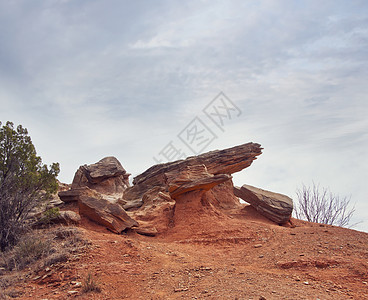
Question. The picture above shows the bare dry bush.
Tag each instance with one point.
(320, 205)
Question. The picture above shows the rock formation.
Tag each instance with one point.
(161, 187)
(160, 196)
(107, 177)
(274, 206)
(97, 188)
(227, 161)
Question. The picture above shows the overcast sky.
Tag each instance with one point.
(131, 79)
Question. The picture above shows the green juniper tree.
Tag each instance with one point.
(24, 182)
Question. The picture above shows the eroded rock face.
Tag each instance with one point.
(110, 215)
(227, 161)
(157, 212)
(106, 176)
(192, 178)
(206, 178)
(274, 206)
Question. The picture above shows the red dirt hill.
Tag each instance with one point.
(213, 254)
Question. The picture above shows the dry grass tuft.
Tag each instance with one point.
(90, 284)
(36, 250)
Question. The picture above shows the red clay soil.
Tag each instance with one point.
(233, 254)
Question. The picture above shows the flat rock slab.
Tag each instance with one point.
(76, 194)
(226, 161)
(71, 195)
(274, 206)
(103, 212)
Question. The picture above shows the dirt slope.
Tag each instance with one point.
(215, 255)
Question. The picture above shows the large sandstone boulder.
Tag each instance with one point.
(106, 177)
(274, 206)
(110, 215)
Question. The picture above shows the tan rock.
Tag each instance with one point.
(157, 210)
(146, 228)
(130, 204)
(69, 217)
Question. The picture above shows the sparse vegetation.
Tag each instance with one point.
(29, 250)
(49, 215)
(90, 284)
(2, 291)
(24, 182)
(320, 205)
(44, 248)
(34, 252)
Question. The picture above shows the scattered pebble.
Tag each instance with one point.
(72, 292)
(261, 256)
(306, 282)
(258, 245)
(76, 283)
(184, 289)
